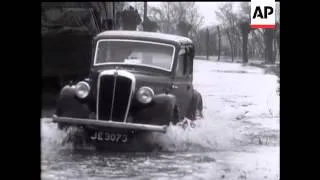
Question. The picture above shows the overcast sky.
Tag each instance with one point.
(206, 9)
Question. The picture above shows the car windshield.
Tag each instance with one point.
(133, 52)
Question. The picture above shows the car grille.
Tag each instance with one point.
(114, 97)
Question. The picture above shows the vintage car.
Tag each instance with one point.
(138, 81)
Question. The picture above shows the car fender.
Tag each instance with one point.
(165, 99)
(69, 105)
(159, 111)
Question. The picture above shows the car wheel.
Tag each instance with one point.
(175, 116)
(192, 108)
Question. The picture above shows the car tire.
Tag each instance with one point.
(175, 116)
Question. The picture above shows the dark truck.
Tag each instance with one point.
(67, 31)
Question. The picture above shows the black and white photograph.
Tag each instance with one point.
(160, 90)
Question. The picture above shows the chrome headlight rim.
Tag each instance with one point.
(143, 91)
(82, 89)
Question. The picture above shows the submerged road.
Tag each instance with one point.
(238, 138)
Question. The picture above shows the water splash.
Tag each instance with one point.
(207, 135)
(55, 140)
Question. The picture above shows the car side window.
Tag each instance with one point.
(181, 64)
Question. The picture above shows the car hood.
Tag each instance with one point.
(158, 82)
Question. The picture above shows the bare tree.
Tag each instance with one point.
(183, 28)
(245, 29)
(272, 38)
(243, 40)
(145, 9)
(195, 20)
(219, 42)
(145, 13)
(156, 14)
(228, 21)
(207, 43)
(278, 37)
(258, 41)
(174, 16)
(268, 40)
(139, 6)
(119, 7)
(227, 31)
(212, 40)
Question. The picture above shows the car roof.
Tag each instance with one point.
(145, 35)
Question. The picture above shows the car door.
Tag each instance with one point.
(182, 82)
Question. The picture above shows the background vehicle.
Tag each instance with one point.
(67, 31)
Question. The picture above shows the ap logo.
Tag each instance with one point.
(263, 14)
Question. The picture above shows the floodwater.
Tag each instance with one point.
(237, 139)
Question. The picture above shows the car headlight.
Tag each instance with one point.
(82, 89)
(145, 95)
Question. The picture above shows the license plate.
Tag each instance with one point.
(109, 137)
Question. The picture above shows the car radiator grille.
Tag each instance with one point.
(113, 97)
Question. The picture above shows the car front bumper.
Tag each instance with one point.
(109, 124)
